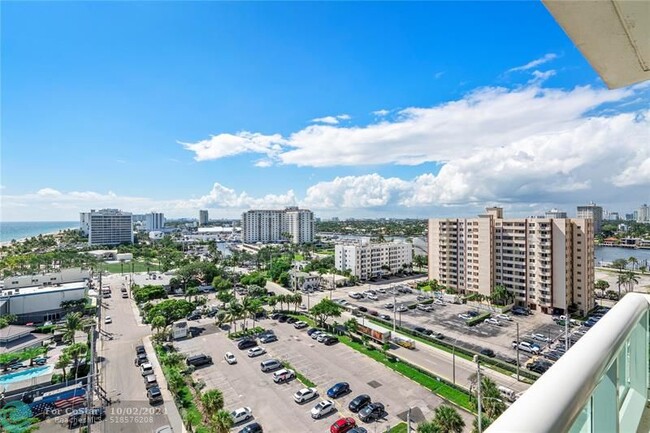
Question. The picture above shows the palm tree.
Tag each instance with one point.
(633, 261)
(351, 325)
(491, 399)
(297, 300)
(620, 280)
(159, 324)
(62, 363)
(31, 353)
(235, 312)
(500, 294)
(643, 269)
(631, 280)
(73, 323)
(272, 301)
(448, 420)
(221, 422)
(212, 401)
(485, 423)
(191, 291)
(428, 427)
(419, 261)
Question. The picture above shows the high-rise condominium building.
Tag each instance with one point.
(547, 264)
(643, 214)
(154, 221)
(107, 227)
(367, 260)
(291, 224)
(555, 213)
(203, 218)
(594, 212)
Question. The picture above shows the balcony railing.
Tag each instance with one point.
(599, 385)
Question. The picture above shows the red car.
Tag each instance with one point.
(343, 425)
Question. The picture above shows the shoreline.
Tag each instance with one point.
(21, 240)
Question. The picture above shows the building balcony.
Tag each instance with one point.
(599, 385)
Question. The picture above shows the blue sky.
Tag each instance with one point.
(181, 106)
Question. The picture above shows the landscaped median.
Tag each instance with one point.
(246, 333)
(478, 319)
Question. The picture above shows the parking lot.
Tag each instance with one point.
(243, 384)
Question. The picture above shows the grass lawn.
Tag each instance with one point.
(298, 257)
(399, 428)
(116, 268)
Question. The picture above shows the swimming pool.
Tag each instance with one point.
(26, 374)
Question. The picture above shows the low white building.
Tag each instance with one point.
(68, 275)
(179, 329)
(303, 280)
(39, 304)
(367, 260)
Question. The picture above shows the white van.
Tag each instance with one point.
(507, 393)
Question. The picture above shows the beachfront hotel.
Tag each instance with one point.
(291, 224)
(367, 260)
(547, 264)
(107, 227)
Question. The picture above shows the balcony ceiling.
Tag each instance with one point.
(614, 36)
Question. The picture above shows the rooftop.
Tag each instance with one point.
(34, 290)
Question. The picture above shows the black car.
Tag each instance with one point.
(472, 313)
(154, 395)
(275, 316)
(371, 412)
(359, 402)
(419, 329)
(283, 318)
(139, 350)
(487, 352)
(385, 317)
(252, 428)
(292, 320)
(328, 341)
(194, 316)
(363, 309)
(246, 343)
(140, 359)
(338, 390)
(198, 360)
(312, 330)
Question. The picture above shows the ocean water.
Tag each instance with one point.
(25, 229)
(609, 254)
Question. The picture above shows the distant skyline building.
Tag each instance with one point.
(154, 221)
(367, 260)
(594, 212)
(555, 213)
(291, 224)
(547, 264)
(107, 226)
(643, 214)
(203, 218)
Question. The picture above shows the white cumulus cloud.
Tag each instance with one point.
(534, 63)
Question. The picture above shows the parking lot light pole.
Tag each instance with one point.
(394, 308)
(478, 392)
(517, 351)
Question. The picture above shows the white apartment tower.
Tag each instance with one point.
(643, 214)
(555, 213)
(594, 212)
(203, 218)
(154, 221)
(546, 263)
(107, 227)
(266, 226)
(368, 260)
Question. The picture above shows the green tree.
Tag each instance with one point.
(631, 279)
(235, 312)
(428, 427)
(485, 423)
(220, 283)
(191, 292)
(7, 320)
(158, 325)
(73, 322)
(491, 400)
(272, 301)
(171, 309)
(619, 264)
(62, 363)
(212, 401)
(500, 295)
(221, 422)
(419, 261)
(351, 325)
(621, 279)
(225, 296)
(325, 309)
(634, 262)
(643, 269)
(31, 353)
(448, 420)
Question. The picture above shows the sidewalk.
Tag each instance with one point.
(170, 406)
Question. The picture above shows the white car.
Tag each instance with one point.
(108, 320)
(240, 415)
(372, 297)
(316, 334)
(283, 375)
(322, 336)
(256, 351)
(425, 307)
(504, 317)
(493, 321)
(355, 295)
(541, 337)
(389, 306)
(322, 408)
(381, 291)
(439, 302)
(402, 309)
(464, 316)
(230, 358)
(305, 394)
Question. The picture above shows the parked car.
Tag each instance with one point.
(492, 321)
(275, 316)
(150, 381)
(503, 317)
(358, 429)
(338, 390)
(268, 338)
(270, 365)
(292, 320)
(230, 358)
(372, 297)
(464, 316)
(305, 394)
(199, 360)
(146, 369)
(256, 351)
(310, 331)
(140, 359)
(330, 340)
(487, 352)
(194, 316)
(389, 306)
(402, 309)
(359, 402)
(252, 428)
(139, 350)
(385, 317)
(541, 337)
(283, 318)
(362, 309)
(246, 343)
(322, 408)
(355, 295)
(372, 412)
(154, 395)
(424, 307)
(300, 325)
(322, 337)
(315, 335)
(343, 425)
(439, 302)
(240, 415)
(283, 375)
(526, 347)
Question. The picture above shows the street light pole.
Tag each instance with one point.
(517, 351)
(394, 308)
(478, 392)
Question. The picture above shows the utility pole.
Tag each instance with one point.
(517, 351)
(408, 421)
(478, 392)
(394, 308)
